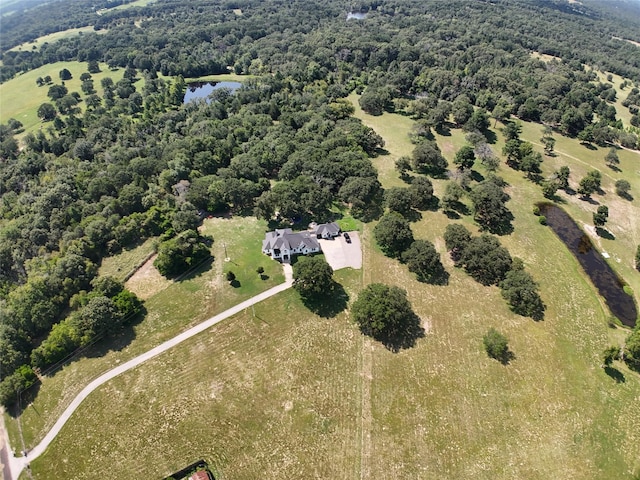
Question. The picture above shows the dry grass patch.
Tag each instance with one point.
(217, 399)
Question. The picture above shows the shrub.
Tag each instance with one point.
(496, 345)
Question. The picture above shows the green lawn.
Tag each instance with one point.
(20, 97)
(279, 393)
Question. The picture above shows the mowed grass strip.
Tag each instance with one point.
(122, 264)
(198, 296)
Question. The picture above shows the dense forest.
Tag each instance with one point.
(138, 163)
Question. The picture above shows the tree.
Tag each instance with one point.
(93, 67)
(393, 234)
(427, 158)
(312, 277)
(590, 183)
(610, 354)
(374, 101)
(549, 143)
(530, 164)
(46, 112)
(562, 176)
(512, 130)
(230, 276)
(177, 255)
(465, 157)
(57, 91)
(549, 188)
(622, 188)
(461, 110)
(383, 311)
(421, 190)
(479, 121)
(65, 74)
(423, 260)
(485, 260)
(399, 200)
(490, 211)
(456, 239)
(600, 216)
(611, 159)
(632, 350)
(496, 345)
(521, 292)
(453, 192)
(487, 157)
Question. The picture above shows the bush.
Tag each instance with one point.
(542, 220)
(496, 345)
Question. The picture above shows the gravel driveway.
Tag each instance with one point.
(340, 254)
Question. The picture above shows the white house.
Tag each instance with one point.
(281, 244)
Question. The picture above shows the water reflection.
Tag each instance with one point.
(204, 89)
(603, 277)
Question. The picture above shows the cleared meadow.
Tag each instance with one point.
(20, 97)
(279, 393)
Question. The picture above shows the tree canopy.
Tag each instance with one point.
(393, 234)
(312, 277)
(384, 312)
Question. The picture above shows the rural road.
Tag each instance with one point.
(13, 466)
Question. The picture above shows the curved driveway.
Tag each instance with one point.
(17, 464)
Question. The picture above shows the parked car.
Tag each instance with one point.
(347, 238)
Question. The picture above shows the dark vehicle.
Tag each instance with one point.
(347, 237)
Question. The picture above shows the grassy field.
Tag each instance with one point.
(54, 37)
(623, 112)
(20, 97)
(119, 266)
(178, 306)
(280, 393)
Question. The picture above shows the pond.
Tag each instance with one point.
(356, 15)
(603, 277)
(204, 89)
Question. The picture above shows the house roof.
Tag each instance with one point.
(285, 239)
(331, 228)
(200, 475)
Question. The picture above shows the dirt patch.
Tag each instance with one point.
(147, 281)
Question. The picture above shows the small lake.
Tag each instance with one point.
(356, 16)
(603, 277)
(204, 89)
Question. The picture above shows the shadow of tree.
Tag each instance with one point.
(440, 278)
(614, 373)
(412, 215)
(491, 136)
(264, 276)
(329, 305)
(626, 196)
(604, 233)
(403, 339)
(507, 358)
(235, 283)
